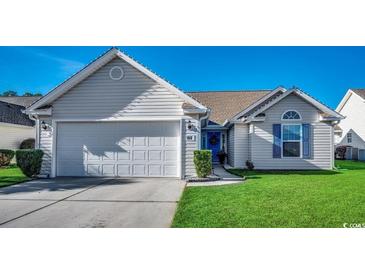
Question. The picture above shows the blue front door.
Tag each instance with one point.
(214, 143)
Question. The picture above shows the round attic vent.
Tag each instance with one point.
(116, 73)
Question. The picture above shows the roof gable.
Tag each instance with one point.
(328, 113)
(96, 65)
(359, 93)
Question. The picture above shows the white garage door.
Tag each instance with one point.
(125, 149)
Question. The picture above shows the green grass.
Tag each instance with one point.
(279, 199)
(11, 175)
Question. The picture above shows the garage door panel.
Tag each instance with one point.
(93, 169)
(139, 170)
(117, 149)
(124, 170)
(125, 155)
(155, 170)
(108, 170)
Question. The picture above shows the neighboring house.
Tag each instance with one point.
(351, 131)
(15, 126)
(117, 118)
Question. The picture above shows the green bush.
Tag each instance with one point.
(6, 155)
(29, 161)
(203, 162)
(27, 144)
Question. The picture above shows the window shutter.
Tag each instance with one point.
(306, 139)
(276, 149)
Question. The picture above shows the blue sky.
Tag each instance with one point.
(324, 72)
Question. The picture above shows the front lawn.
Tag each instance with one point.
(279, 199)
(11, 175)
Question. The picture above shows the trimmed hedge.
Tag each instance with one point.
(6, 155)
(203, 162)
(29, 161)
(27, 144)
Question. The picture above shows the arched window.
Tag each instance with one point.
(291, 115)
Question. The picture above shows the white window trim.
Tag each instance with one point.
(282, 116)
(293, 141)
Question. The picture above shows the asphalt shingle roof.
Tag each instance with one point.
(24, 101)
(226, 104)
(12, 114)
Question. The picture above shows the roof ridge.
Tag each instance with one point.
(249, 90)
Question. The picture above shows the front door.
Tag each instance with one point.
(214, 143)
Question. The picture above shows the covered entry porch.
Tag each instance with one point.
(214, 138)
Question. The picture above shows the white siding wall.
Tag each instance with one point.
(189, 147)
(354, 110)
(240, 145)
(262, 139)
(230, 146)
(13, 135)
(45, 144)
(99, 97)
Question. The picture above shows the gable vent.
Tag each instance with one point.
(116, 73)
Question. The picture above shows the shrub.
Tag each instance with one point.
(6, 155)
(340, 152)
(27, 144)
(221, 156)
(203, 162)
(249, 165)
(29, 161)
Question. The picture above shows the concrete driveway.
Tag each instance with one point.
(90, 202)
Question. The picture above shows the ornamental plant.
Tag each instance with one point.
(6, 155)
(203, 162)
(29, 161)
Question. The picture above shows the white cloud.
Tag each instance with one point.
(67, 66)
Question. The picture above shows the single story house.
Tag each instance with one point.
(117, 118)
(15, 126)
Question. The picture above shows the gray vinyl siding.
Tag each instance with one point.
(241, 145)
(188, 148)
(99, 97)
(45, 144)
(230, 146)
(262, 138)
(238, 145)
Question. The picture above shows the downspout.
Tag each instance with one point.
(35, 118)
(206, 116)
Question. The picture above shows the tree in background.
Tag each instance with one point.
(9, 93)
(14, 93)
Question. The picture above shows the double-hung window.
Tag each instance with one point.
(349, 137)
(291, 138)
